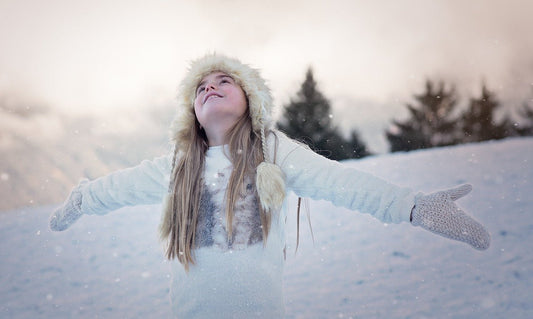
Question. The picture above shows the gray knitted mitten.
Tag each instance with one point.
(66, 215)
(438, 213)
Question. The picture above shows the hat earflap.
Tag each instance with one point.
(270, 181)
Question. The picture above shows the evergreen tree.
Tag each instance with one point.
(431, 122)
(478, 122)
(526, 112)
(308, 118)
(356, 147)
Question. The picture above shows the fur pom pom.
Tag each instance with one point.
(270, 182)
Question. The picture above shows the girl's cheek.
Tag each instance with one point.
(196, 108)
(197, 101)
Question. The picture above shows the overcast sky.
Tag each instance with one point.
(369, 57)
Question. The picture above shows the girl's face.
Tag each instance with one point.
(219, 103)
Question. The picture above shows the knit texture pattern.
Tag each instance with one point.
(439, 214)
(66, 215)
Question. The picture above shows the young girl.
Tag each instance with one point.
(223, 189)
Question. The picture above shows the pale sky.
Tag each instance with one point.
(369, 57)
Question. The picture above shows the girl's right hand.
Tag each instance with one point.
(66, 215)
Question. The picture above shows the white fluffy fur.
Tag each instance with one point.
(270, 181)
(257, 92)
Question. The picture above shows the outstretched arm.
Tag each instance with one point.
(311, 175)
(146, 183)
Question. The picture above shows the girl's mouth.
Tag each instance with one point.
(211, 95)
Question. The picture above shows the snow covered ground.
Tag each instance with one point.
(113, 266)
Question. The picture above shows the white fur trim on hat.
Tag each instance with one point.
(254, 86)
(270, 180)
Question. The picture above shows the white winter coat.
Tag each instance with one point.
(247, 283)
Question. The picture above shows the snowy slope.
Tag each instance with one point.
(113, 266)
(45, 153)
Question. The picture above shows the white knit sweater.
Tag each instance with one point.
(242, 277)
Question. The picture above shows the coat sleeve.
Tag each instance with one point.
(311, 175)
(146, 183)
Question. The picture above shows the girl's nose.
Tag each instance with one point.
(210, 86)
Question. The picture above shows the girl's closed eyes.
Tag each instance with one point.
(223, 79)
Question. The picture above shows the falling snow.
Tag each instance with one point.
(114, 267)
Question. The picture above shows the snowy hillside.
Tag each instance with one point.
(113, 266)
(45, 153)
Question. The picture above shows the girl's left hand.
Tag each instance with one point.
(439, 214)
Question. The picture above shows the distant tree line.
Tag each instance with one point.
(434, 120)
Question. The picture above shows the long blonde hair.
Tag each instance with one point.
(180, 217)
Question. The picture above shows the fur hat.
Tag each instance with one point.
(270, 180)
